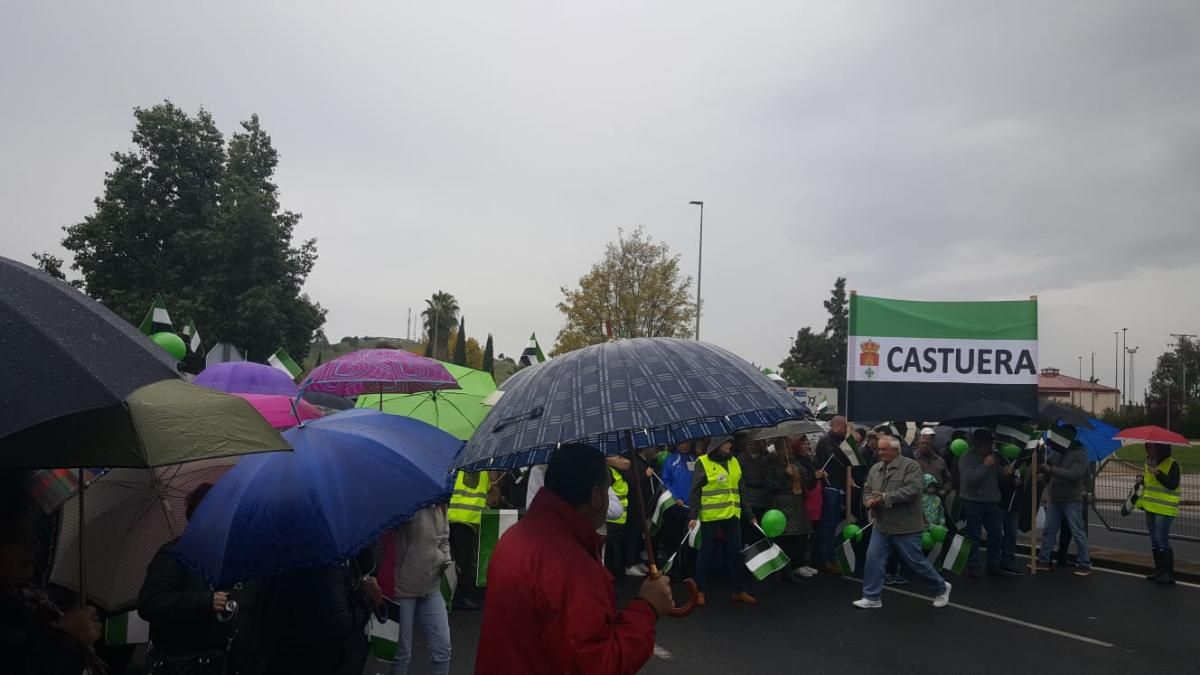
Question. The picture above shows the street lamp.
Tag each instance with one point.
(699, 264)
(1125, 349)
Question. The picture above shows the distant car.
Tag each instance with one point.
(774, 377)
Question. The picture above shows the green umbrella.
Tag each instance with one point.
(167, 422)
(456, 411)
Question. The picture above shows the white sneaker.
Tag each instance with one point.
(638, 570)
(867, 603)
(809, 571)
(943, 599)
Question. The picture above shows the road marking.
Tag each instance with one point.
(662, 652)
(1109, 570)
(1001, 617)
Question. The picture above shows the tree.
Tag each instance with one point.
(637, 287)
(185, 216)
(474, 352)
(53, 265)
(460, 346)
(489, 359)
(1167, 397)
(819, 359)
(440, 317)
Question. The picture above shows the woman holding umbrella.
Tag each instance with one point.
(1160, 500)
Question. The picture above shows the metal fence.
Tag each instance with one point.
(1113, 480)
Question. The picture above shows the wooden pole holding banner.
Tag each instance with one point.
(1033, 502)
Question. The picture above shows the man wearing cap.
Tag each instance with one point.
(716, 502)
(979, 475)
(931, 462)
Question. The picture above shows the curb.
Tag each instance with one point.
(1129, 561)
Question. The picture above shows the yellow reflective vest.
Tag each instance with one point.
(621, 489)
(467, 503)
(1156, 498)
(719, 498)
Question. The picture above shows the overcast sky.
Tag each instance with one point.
(924, 150)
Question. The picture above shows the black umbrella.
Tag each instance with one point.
(1053, 413)
(984, 413)
(63, 353)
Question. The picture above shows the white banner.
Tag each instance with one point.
(903, 359)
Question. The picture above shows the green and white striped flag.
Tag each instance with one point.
(954, 509)
(764, 558)
(911, 360)
(1014, 435)
(192, 336)
(1060, 438)
(934, 553)
(664, 504)
(532, 354)
(126, 629)
(449, 585)
(849, 448)
(383, 637)
(157, 319)
(493, 524)
(693, 537)
(847, 559)
(957, 555)
(282, 361)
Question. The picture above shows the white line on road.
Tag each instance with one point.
(1001, 617)
(1109, 570)
(662, 652)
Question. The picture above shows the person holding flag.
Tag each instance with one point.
(834, 462)
(716, 498)
(677, 474)
(893, 498)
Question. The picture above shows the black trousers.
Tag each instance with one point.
(621, 547)
(796, 548)
(464, 547)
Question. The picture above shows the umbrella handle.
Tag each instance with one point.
(687, 607)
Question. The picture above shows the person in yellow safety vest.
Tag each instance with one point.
(623, 536)
(1160, 482)
(472, 494)
(715, 502)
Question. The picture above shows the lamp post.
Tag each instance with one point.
(699, 264)
(1125, 350)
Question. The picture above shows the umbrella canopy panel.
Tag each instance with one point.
(245, 377)
(130, 514)
(379, 371)
(62, 352)
(163, 423)
(984, 413)
(1152, 434)
(282, 412)
(662, 390)
(458, 412)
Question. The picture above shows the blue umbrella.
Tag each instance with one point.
(1098, 440)
(660, 391)
(353, 475)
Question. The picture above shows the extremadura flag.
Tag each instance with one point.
(911, 360)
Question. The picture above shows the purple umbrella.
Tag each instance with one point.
(379, 371)
(244, 377)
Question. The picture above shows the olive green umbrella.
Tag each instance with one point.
(456, 411)
(167, 422)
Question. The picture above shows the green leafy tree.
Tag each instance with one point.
(819, 359)
(489, 359)
(441, 318)
(1167, 398)
(637, 287)
(460, 346)
(53, 265)
(185, 216)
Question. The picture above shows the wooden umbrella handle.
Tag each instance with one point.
(687, 607)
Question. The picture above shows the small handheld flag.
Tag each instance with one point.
(282, 361)
(957, 555)
(693, 537)
(157, 319)
(126, 629)
(493, 524)
(849, 448)
(664, 504)
(847, 559)
(192, 336)
(764, 558)
(532, 353)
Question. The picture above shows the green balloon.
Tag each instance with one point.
(959, 447)
(172, 343)
(938, 533)
(1009, 451)
(661, 459)
(773, 523)
(852, 531)
(926, 540)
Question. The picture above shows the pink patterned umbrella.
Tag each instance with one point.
(277, 410)
(379, 371)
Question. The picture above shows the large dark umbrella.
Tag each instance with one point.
(1054, 413)
(984, 413)
(623, 395)
(63, 353)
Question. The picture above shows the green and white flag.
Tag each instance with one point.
(764, 558)
(192, 336)
(1015, 435)
(126, 629)
(954, 509)
(957, 555)
(383, 637)
(693, 537)
(911, 360)
(847, 559)
(449, 585)
(282, 361)
(1060, 438)
(533, 352)
(493, 524)
(934, 553)
(664, 504)
(157, 319)
(849, 448)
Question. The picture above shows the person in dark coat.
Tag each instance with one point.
(189, 626)
(791, 478)
(835, 463)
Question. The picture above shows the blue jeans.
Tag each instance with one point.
(908, 547)
(1008, 547)
(831, 515)
(991, 518)
(430, 613)
(1073, 512)
(733, 551)
(1160, 530)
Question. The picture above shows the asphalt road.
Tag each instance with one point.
(1056, 622)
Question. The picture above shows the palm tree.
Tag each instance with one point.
(441, 317)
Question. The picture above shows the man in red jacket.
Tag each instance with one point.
(550, 603)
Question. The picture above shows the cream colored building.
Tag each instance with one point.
(1093, 397)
